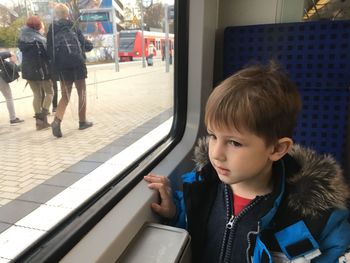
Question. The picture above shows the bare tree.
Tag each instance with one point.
(127, 22)
(154, 15)
(4, 16)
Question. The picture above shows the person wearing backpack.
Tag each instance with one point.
(67, 46)
(6, 90)
(36, 68)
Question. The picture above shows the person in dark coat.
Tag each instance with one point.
(36, 68)
(67, 74)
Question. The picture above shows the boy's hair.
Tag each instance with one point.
(259, 99)
(61, 11)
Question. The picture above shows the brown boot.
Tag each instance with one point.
(41, 121)
(38, 122)
(45, 112)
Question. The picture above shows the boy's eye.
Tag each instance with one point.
(234, 143)
(211, 136)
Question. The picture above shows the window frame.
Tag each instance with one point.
(59, 240)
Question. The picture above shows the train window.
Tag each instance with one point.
(79, 145)
(126, 41)
(326, 10)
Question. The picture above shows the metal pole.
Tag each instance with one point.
(142, 38)
(166, 38)
(115, 41)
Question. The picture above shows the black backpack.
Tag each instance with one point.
(8, 70)
(67, 49)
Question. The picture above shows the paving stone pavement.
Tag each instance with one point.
(117, 103)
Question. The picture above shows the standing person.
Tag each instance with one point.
(254, 197)
(66, 45)
(36, 68)
(6, 90)
(151, 52)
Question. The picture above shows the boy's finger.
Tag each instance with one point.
(151, 179)
(165, 193)
(152, 175)
(157, 179)
(156, 207)
(155, 186)
(160, 210)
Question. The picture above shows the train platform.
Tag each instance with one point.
(119, 104)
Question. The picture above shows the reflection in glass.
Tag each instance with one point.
(127, 107)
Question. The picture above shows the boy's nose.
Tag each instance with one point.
(218, 152)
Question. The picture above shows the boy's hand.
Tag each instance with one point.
(166, 208)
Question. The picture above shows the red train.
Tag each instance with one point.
(130, 44)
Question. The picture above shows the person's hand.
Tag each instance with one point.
(166, 208)
(42, 29)
(13, 58)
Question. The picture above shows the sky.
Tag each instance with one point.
(10, 3)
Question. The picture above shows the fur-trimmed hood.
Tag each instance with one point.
(29, 35)
(317, 186)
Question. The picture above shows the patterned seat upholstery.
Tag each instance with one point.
(317, 57)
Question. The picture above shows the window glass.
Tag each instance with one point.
(326, 10)
(113, 103)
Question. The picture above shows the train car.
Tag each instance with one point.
(130, 44)
(99, 209)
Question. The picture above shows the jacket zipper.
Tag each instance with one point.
(232, 221)
(228, 219)
(249, 242)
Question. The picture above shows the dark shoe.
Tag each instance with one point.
(16, 120)
(56, 128)
(84, 125)
(40, 125)
(54, 109)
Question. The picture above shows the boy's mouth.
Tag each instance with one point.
(222, 170)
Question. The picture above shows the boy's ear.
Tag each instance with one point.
(282, 146)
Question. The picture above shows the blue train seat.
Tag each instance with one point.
(317, 57)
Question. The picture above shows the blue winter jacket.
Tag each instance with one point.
(304, 219)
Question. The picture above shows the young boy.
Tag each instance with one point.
(258, 198)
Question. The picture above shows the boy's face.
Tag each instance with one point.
(240, 158)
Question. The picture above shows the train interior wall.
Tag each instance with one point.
(207, 22)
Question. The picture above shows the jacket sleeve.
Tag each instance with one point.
(81, 38)
(25, 46)
(335, 238)
(86, 44)
(178, 198)
(43, 51)
(180, 217)
(49, 43)
(5, 54)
